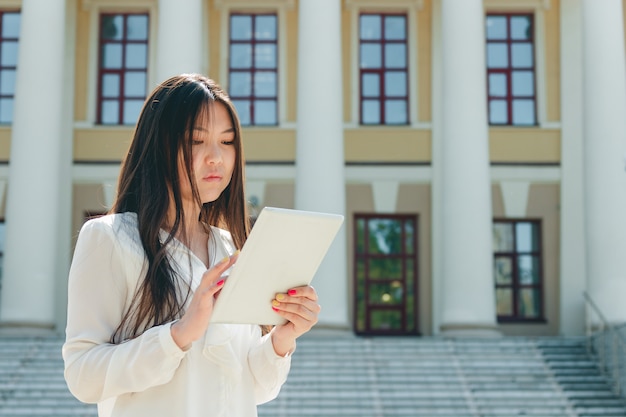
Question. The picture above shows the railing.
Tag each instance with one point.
(606, 342)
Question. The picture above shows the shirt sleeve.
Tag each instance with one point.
(268, 369)
(98, 291)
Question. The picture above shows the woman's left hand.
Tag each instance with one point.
(300, 308)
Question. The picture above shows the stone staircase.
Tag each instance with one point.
(339, 374)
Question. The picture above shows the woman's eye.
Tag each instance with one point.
(228, 142)
(197, 142)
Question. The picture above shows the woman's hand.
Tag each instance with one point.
(194, 322)
(299, 306)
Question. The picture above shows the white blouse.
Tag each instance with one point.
(227, 373)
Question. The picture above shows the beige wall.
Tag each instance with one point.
(527, 145)
(543, 205)
(552, 61)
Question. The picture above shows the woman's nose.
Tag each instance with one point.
(213, 153)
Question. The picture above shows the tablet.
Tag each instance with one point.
(284, 250)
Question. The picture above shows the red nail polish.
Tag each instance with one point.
(220, 283)
(291, 292)
(274, 308)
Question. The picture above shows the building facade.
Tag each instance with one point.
(476, 147)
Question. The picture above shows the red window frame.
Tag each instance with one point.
(382, 98)
(516, 285)
(253, 69)
(4, 68)
(122, 70)
(509, 70)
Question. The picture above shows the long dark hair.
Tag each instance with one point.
(149, 183)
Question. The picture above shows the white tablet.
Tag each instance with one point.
(284, 250)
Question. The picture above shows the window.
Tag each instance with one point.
(511, 70)
(9, 34)
(253, 68)
(517, 270)
(385, 271)
(122, 67)
(383, 69)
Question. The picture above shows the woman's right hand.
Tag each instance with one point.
(194, 322)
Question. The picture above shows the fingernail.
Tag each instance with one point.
(275, 303)
(274, 308)
(291, 292)
(236, 252)
(225, 260)
(220, 283)
(280, 297)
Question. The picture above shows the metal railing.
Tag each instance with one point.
(606, 342)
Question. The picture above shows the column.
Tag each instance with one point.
(179, 38)
(38, 210)
(604, 105)
(572, 223)
(467, 290)
(320, 182)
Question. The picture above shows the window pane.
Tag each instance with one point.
(503, 237)
(137, 27)
(409, 232)
(110, 112)
(528, 269)
(135, 84)
(240, 27)
(264, 112)
(240, 56)
(386, 294)
(497, 85)
(496, 27)
(243, 110)
(395, 112)
(503, 270)
(522, 55)
(395, 27)
(112, 56)
(11, 25)
(395, 55)
(370, 85)
(498, 112)
(240, 84)
(360, 236)
(7, 82)
(265, 84)
(371, 55)
(360, 294)
(523, 112)
(497, 55)
(6, 110)
(132, 108)
(504, 301)
(384, 268)
(110, 85)
(265, 27)
(265, 56)
(371, 27)
(385, 320)
(9, 54)
(526, 237)
(371, 112)
(385, 236)
(523, 83)
(521, 28)
(529, 303)
(136, 56)
(395, 84)
(112, 28)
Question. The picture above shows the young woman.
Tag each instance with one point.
(144, 277)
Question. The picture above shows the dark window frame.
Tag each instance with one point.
(382, 97)
(508, 71)
(124, 41)
(253, 41)
(404, 255)
(4, 67)
(516, 286)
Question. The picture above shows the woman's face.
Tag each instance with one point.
(213, 155)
